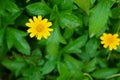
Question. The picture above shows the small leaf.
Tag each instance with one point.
(38, 8)
(103, 73)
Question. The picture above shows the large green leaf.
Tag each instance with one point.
(38, 8)
(83, 4)
(104, 73)
(99, 17)
(16, 38)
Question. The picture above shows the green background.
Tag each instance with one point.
(73, 50)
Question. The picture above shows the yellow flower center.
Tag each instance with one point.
(110, 39)
(39, 28)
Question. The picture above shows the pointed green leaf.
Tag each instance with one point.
(104, 73)
(15, 38)
(99, 17)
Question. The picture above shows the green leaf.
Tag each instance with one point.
(16, 66)
(49, 66)
(64, 72)
(9, 13)
(2, 31)
(69, 20)
(104, 73)
(15, 38)
(74, 66)
(38, 8)
(66, 5)
(3, 46)
(91, 65)
(54, 40)
(91, 47)
(83, 4)
(116, 12)
(99, 16)
(74, 46)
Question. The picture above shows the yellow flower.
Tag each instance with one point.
(109, 40)
(39, 28)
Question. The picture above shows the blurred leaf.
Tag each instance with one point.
(54, 40)
(69, 20)
(32, 73)
(91, 47)
(9, 13)
(103, 73)
(37, 52)
(56, 2)
(2, 32)
(54, 13)
(99, 16)
(74, 66)
(3, 46)
(15, 38)
(64, 72)
(66, 5)
(15, 66)
(74, 46)
(92, 1)
(67, 31)
(91, 65)
(38, 8)
(49, 66)
(116, 12)
(52, 49)
(83, 4)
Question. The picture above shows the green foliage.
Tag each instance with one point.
(72, 52)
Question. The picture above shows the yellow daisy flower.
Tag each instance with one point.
(109, 40)
(39, 28)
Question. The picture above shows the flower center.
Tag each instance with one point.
(110, 40)
(39, 28)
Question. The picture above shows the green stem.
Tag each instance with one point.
(112, 76)
(88, 75)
